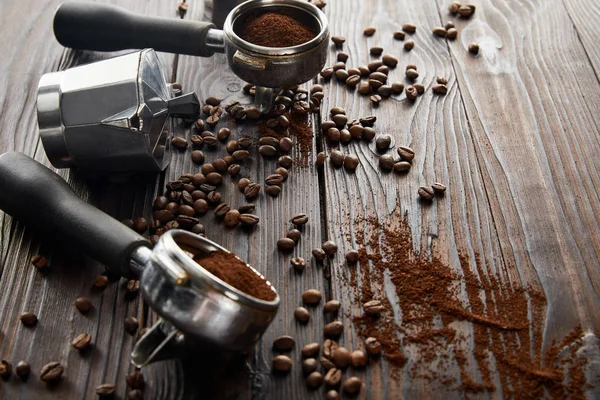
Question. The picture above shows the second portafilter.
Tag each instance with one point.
(106, 28)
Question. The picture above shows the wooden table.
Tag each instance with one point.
(516, 139)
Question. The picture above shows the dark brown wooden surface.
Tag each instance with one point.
(515, 139)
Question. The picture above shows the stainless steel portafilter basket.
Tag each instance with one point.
(195, 307)
(105, 28)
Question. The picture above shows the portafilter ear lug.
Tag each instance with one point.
(162, 342)
(184, 106)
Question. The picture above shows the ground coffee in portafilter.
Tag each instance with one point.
(230, 269)
(275, 30)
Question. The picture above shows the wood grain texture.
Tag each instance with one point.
(583, 15)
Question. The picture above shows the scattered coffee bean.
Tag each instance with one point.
(384, 91)
(359, 359)
(213, 101)
(466, 11)
(83, 304)
(243, 183)
(213, 197)
(267, 151)
(397, 87)
(373, 346)
(282, 363)
(232, 218)
(333, 134)
(39, 261)
(409, 45)
(337, 110)
(82, 341)
(5, 369)
(332, 395)
(221, 210)
(197, 141)
(333, 377)
(369, 31)
(338, 40)
(309, 366)
(426, 193)
(179, 143)
(411, 92)
(298, 263)
(342, 75)
(341, 57)
(234, 170)
(412, 74)
(311, 349)
(285, 144)
(337, 158)
(330, 248)
(419, 87)
(231, 146)
(402, 166)
(294, 234)
(101, 281)
(223, 134)
(299, 219)
(311, 297)
(373, 308)
(131, 325)
(439, 31)
(198, 229)
(285, 162)
(345, 136)
(135, 380)
(383, 142)
(376, 50)
(301, 314)
(285, 244)
(389, 60)
(474, 48)
(319, 254)
(364, 88)
(327, 363)
(51, 372)
(327, 73)
(199, 125)
(249, 219)
(105, 390)
(331, 306)
(273, 190)
(356, 131)
(386, 162)
(452, 33)
(252, 190)
(368, 133)
(409, 28)
(399, 35)
(284, 344)
(210, 140)
(440, 89)
(22, 370)
(333, 329)
(375, 99)
(328, 347)
(314, 380)
(28, 319)
(342, 357)
(240, 155)
(351, 162)
(453, 8)
(352, 385)
(439, 188)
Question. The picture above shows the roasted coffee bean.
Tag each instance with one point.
(252, 190)
(185, 222)
(420, 88)
(449, 25)
(207, 169)
(383, 142)
(294, 234)
(353, 80)
(171, 225)
(452, 33)
(439, 188)
(359, 359)
(309, 366)
(199, 125)
(340, 120)
(376, 50)
(328, 347)
(333, 329)
(298, 263)
(314, 380)
(234, 170)
(373, 65)
(337, 110)
(249, 219)
(268, 141)
(311, 349)
(318, 88)
(368, 121)
(345, 136)
(39, 261)
(163, 216)
(409, 45)
(341, 75)
(302, 315)
(210, 140)
(409, 28)
(179, 143)
(332, 395)
(273, 190)
(351, 162)
(200, 207)
(272, 123)
(439, 31)
(240, 155)
(341, 357)
(369, 31)
(327, 363)
(333, 377)
(299, 219)
(206, 109)
(333, 134)
(187, 198)
(135, 380)
(285, 161)
(373, 308)
(22, 370)
(51, 372)
(213, 101)
(384, 91)
(356, 131)
(399, 35)
(198, 229)
(320, 161)
(411, 92)
(440, 89)
(326, 73)
(221, 210)
(331, 306)
(364, 88)
(372, 346)
(28, 319)
(282, 363)
(406, 153)
(135, 394)
(244, 142)
(453, 8)
(83, 304)
(231, 146)
(397, 87)
(337, 158)
(301, 107)
(186, 210)
(379, 76)
(267, 151)
(232, 218)
(426, 193)
(375, 99)
(330, 248)
(339, 65)
(384, 69)
(105, 390)
(319, 254)
(246, 208)
(352, 385)
(412, 74)
(311, 297)
(326, 125)
(474, 48)
(133, 286)
(274, 179)
(198, 179)
(338, 40)
(352, 256)
(5, 369)
(354, 71)
(285, 144)
(368, 133)
(131, 325)
(466, 11)
(283, 172)
(220, 165)
(386, 162)
(284, 344)
(285, 244)
(402, 166)
(82, 341)
(160, 203)
(389, 60)
(243, 183)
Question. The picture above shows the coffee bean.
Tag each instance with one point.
(354, 71)
(337, 110)
(223, 134)
(333, 329)
(409, 28)
(411, 92)
(246, 208)
(199, 125)
(252, 190)
(356, 131)
(326, 125)
(341, 357)
(341, 57)
(409, 45)
(319, 254)
(51, 372)
(474, 48)
(314, 380)
(221, 210)
(402, 166)
(412, 74)
(327, 363)
(39, 261)
(207, 169)
(135, 380)
(22, 370)
(197, 141)
(439, 188)
(338, 40)
(351, 162)
(232, 218)
(298, 263)
(383, 142)
(368, 133)
(339, 65)
(452, 33)
(285, 144)
(372, 346)
(282, 363)
(332, 395)
(302, 315)
(352, 385)
(331, 306)
(187, 210)
(389, 60)
(375, 99)
(309, 366)
(284, 344)
(352, 256)
(285, 162)
(398, 35)
(379, 76)
(135, 394)
(386, 162)
(210, 140)
(359, 359)
(333, 377)
(213, 101)
(101, 281)
(179, 143)
(273, 190)
(406, 153)
(140, 225)
(234, 170)
(439, 31)
(333, 134)
(311, 297)
(83, 304)
(243, 183)
(369, 31)
(337, 158)
(249, 219)
(440, 89)
(82, 341)
(131, 325)
(274, 179)
(419, 87)
(373, 308)
(328, 347)
(220, 165)
(200, 207)
(453, 8)
(311, 349)
(299, 219)
(364, 88)
(327, 73)
(341, 75)
(330, 248)
(426, 193)
(105, 390)
(465, 11)
(199, 179)
(28, 319)
(285, 244)
(353, 80)
(5, 369)
(231, 146)
(198, 229)
(376, 50)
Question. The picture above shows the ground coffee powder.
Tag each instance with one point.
(230, 269)
(275, 30)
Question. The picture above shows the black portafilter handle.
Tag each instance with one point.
(34, 194)
(89, 26)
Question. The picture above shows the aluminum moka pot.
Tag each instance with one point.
(106, 28)
(111, 115)
(195, 307)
